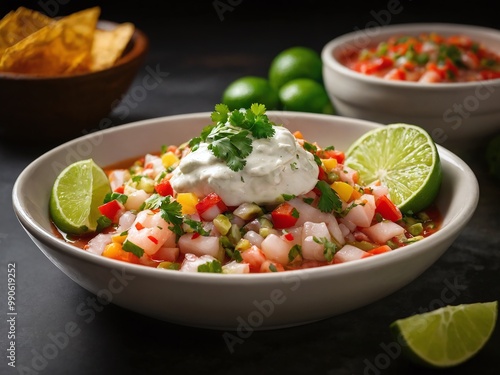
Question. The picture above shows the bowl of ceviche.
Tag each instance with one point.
(443, 77)
(237, 227)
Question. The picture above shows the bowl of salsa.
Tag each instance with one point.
(443, 77)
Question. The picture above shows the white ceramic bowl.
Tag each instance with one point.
(456, 114)
(233, 302)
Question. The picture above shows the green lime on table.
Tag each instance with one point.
(448, 336)
(244, 91)
(76, 195)
(404, 158)
(295, 62)
(305, 95)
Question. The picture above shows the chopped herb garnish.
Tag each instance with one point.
(103, 222)
(171, 211)
(211, 267)
(196, 226)
(231, 134)
(329, 200)
(294, 252)
(330, 247)
(133, 248)
(288, 197)
(122, 198)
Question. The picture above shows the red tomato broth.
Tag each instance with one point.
(428, 57)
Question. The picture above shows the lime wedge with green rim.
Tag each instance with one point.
(76, 195)
(404, 158)
(448, 336)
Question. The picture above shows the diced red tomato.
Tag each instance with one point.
(164, 188)
(377, 65)
(387, 209)
(110, 209)
(284, 216)
(210, 201)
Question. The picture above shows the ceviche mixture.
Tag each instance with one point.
(428, 57)
(248, 196)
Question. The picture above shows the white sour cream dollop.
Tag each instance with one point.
(276, 166)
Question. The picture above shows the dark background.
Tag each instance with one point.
(203, 51)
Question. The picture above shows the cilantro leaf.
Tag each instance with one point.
(230, 135)
(196, 226)
(171, 211)
(329, 200)
(330, 248)
(211, 267)
(220, 113)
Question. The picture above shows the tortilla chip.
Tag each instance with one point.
(61, 47)
(109, 45)
(19, 24)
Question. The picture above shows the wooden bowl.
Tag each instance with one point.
(58, 108)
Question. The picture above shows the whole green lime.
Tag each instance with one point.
(295, 62)
(305, 95)
(245, 91)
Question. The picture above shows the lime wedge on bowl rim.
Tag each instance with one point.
(76, 195)
(404, 158)
(448, 336)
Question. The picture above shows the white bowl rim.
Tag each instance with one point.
(455, 28)
(49, 239)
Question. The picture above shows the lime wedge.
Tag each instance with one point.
(404, 158)
(447, 336)
(76, 195)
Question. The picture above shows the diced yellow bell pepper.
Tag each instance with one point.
(118, 238)
(343, 189)
(329, 163)
(168, 159)
(188, 202)
(112, 250)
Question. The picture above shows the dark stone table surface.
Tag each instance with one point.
(201, 47)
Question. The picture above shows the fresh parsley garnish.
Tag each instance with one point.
(231, 134)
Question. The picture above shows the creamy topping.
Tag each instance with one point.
(276, 166)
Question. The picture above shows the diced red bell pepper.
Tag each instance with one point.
(284, 216)
(164, 188)
(387, 209)
(322, 176)
(490, 74)
(110, 209)
(120, 189)
(212, 199)
(335, 154)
